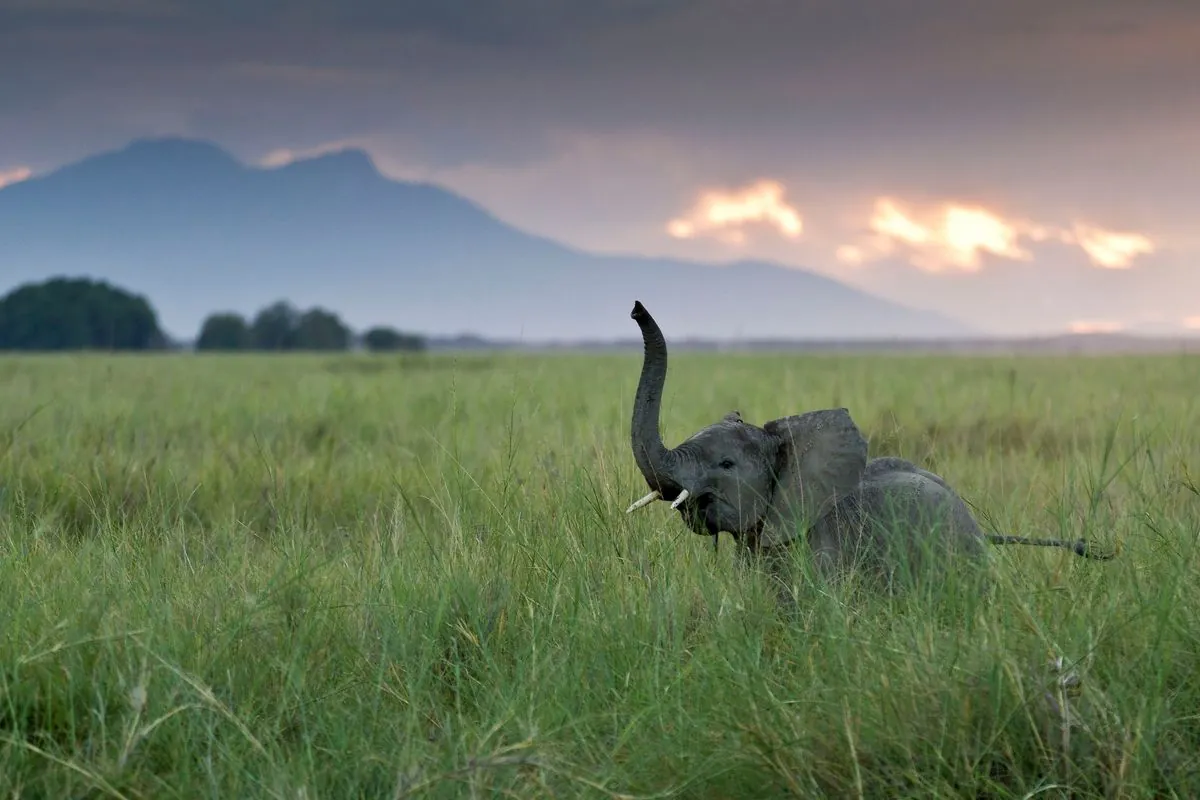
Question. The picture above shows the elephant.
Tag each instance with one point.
(805, 476)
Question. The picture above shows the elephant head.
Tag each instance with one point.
(763, 485)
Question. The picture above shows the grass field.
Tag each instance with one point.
(332, 577)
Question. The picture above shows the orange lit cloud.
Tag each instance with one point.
(951, 239)
(279, 157)
(1096, 326)
(725, 214)
(954, 236)
(282, 156)
(1192, 323)
(11, 176)
(1110, 249)
(851, 254)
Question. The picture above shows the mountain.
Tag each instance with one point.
(197, 231)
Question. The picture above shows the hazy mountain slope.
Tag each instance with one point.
(196, 231)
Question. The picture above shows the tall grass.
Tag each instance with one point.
(345, 576)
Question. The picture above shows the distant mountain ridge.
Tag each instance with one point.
(195, 230)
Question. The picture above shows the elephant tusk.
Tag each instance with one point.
(678, 501)
(645, 501)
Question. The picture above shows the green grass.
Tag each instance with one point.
(320, 577)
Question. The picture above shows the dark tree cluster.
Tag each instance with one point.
(382, 339)
(77, 314)
(280, 326)
(80, 314)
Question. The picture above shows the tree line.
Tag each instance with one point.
(81, 314)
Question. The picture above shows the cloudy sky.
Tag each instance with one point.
(1025, 166)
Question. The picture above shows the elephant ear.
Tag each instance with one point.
(821, 458)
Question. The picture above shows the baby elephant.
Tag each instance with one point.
(804, 476)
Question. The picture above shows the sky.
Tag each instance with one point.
(1027, 167)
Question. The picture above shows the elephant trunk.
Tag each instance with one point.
(653, 458)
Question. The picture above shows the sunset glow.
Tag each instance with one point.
(1109, 249)
(282, 156)
(849, 254)
(940, 237)
(953, 237)
(888, 220)
(724, 214)
(11, 176)
(968, 231)
(1096, 326)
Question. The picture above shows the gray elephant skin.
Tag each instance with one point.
(805, 477)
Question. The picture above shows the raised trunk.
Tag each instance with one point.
(652, 456)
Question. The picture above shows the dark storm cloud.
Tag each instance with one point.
(492, 22)
(706, 38)
(807, 26)
(485, 81)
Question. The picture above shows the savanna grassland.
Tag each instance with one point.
(350, 576)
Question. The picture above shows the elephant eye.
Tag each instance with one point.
(727, 463)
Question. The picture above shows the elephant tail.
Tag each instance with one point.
(1079, 547)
